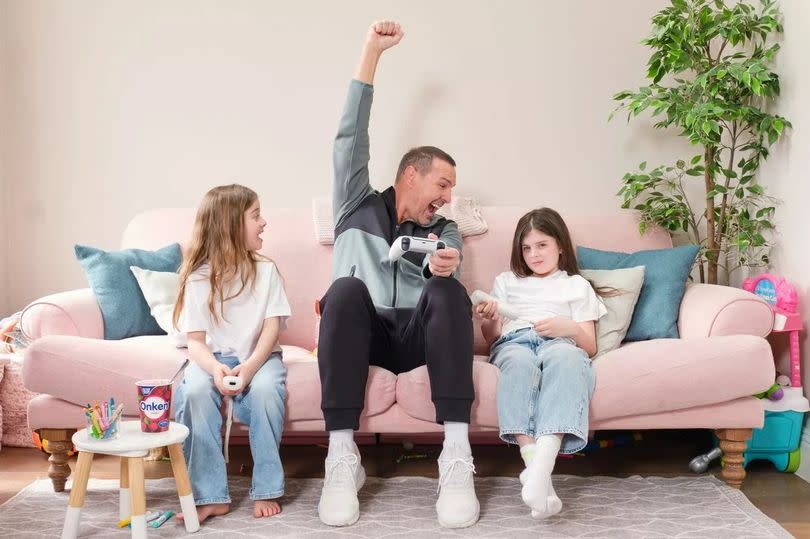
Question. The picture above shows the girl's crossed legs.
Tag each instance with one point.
(543, 398)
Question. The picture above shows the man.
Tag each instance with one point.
(398, 315)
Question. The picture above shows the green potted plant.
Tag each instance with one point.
(710, 77)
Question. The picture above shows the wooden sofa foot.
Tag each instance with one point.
(733, 443)
(57, 443)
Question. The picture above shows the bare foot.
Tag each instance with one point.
(266, 508)
(209, 510)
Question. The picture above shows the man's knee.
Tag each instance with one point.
(345, 293)
(448, 292)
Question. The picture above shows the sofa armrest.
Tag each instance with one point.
(709, 310)
(66, 313)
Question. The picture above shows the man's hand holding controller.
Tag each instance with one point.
(444, 261)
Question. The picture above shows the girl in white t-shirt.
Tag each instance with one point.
(232, 306)
(546, 379)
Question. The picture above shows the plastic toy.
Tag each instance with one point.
(782, 297)
(778, 439)
(774, 393)
(700, 463)
(620, 440)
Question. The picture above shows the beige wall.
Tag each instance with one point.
(786, 171)
(117, 107)
(4, 128)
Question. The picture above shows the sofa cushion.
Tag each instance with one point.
(665, 275)
(159, 289)
(628, 383)
(123, 307)
(623, 287)
(76, 370)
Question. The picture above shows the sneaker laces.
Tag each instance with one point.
(456, 470)
(345, 463)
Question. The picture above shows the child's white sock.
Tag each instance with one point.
(341, 442)
(457, 434)
(527, 453)
(554, 502)
(537, 491)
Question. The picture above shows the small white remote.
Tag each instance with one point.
(504, 309)
(232, 382)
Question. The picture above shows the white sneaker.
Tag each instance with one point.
(554, 503)
(457, 506)
(344, 478)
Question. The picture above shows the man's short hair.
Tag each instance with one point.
(421, 159)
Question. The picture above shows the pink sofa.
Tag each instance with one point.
(702, 380)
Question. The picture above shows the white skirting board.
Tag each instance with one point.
(804, 466)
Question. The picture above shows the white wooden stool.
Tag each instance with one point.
(132, 445)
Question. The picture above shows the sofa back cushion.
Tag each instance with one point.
(306, 266)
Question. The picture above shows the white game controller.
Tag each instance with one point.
(504, 309)
(411, 244)
(232, 382)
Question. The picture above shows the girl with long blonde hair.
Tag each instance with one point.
(232, 306)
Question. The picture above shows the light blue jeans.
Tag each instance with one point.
(260, 406)
(545, 387)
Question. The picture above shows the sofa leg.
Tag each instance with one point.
(733, 442)
(57, 443)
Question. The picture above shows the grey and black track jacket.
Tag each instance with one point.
(366, 219)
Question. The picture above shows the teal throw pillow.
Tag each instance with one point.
(123, 307)
(665, 275)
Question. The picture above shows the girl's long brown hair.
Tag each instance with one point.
(218, 240)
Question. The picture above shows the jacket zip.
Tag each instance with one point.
(396, 268)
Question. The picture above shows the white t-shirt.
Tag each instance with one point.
(240, 325)
(538, 298)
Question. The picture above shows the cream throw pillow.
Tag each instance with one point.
(160, 289)
(611, 328)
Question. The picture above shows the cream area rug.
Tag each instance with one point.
(634, 507)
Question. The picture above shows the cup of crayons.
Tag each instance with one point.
(103, 419)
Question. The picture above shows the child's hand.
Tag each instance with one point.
(245, 371)
(557, 326)
(220, 371)
(488, 310)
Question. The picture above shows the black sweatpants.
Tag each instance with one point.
(354, 334)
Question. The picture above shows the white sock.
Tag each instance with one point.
(554, 503)
(457, 434)
(341, 442)
(536, 491)
(527, 453)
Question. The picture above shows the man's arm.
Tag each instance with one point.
(351, 149)
(381, 35)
